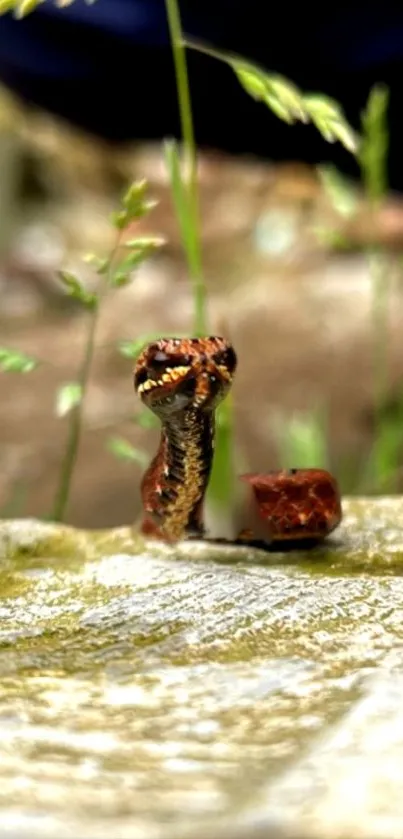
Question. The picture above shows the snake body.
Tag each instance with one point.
(183, 381)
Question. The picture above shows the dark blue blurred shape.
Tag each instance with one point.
(107, 67)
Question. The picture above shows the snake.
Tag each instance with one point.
(183, 381)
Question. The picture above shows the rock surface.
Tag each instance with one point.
(152, 692)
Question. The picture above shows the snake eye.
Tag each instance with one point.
(140, 377)
(226, 358)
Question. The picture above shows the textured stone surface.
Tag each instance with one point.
(202, 690)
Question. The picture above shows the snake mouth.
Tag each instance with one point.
(170, 376)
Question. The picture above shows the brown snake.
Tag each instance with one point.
(182, 381)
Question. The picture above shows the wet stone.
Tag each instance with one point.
(151, 691)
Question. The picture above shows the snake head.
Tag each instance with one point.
(176, 374)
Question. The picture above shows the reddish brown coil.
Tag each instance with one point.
(296, 504)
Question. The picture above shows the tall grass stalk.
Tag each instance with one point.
(191, 241)
(303, 439)
(185, 195)
(373, 163)
(84, 373)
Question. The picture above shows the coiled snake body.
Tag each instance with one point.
(182, 381)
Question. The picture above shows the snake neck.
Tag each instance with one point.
(174, 485)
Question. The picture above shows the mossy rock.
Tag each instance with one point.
(154, 691)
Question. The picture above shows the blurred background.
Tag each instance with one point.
(302, 273)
